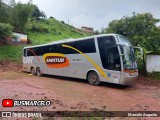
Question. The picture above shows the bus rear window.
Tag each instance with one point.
(24, 53)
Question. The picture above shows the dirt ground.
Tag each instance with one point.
(75, 94)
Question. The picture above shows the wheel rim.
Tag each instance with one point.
(93, 78)
(38, 71)
(33, 71)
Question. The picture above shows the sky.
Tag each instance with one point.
(95, 13)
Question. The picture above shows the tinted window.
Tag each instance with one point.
(30, 52)
(104, 43)
(56, 48)
(34, 51)
(52, 49)
(68, 50)
(46, 49)
(37, 51)
(107, 41)
(113, 59)
(24, 52)
(87, 46)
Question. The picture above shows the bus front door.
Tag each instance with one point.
(113, 64)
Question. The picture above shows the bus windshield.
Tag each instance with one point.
(127, 52)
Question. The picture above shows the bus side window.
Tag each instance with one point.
(29, 52)
(113, 59)
(45, 49)
(87, 46)
(37, 51)
(68, 50)
(56, 48)
(24, 53)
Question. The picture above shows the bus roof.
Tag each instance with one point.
(71, 40)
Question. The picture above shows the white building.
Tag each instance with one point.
(20, 37)
(153, 63)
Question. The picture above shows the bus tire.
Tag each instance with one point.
(93, 78)
(33, 72)
(38, 72)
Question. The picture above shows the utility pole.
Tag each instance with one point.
(68, 21)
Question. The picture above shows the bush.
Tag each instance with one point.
(72, 30)
(154, 75)
(5, 30)
(39, 28)
(62, 22)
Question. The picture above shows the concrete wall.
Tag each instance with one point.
(153, 63)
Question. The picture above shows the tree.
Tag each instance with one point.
(142, 31)
(37, 14)
(140, 28)
(96, 32)
(5, 31)
(12, 3)
(4, 12)
(20, 15)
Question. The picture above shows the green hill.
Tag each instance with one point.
(45, 31)
(40, 32)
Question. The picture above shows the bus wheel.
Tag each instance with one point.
(38, 71)
(93, 78)
(33, 72)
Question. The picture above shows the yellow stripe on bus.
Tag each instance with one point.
(90, 60)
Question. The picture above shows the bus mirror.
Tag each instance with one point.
(138, 53)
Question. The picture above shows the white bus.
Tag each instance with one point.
(99, 58)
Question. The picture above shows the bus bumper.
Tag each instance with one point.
(131, 81)
(128, 80)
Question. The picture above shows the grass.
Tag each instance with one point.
(12, 53)
(56, 30)
(157, 75)
(154, 75)
(49, 37)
